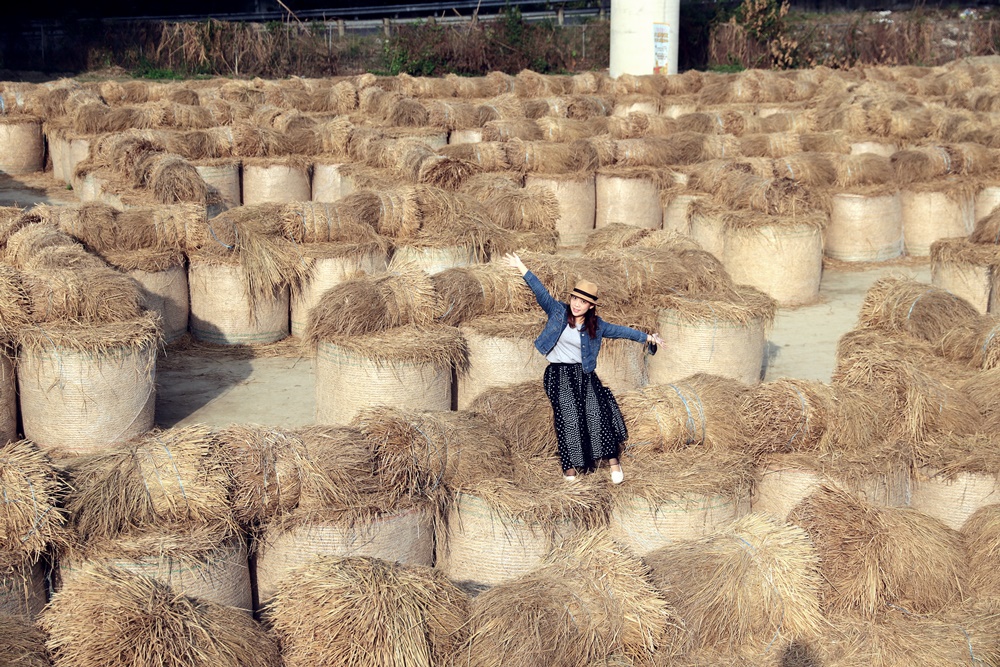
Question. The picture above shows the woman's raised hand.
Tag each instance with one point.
(655, 339)
(512, 259)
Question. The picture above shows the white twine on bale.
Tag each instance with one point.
(156, 470)
(989, 339)
(691, 426)
(803, 416)
(947, 158)
(965, 633)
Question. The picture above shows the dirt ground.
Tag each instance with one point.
(275, 386)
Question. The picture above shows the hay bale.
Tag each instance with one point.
(865, 226)
(501, 352)
(879, 473)
(627, 197)
(591, 600)
(104, 375)
(575, 195)
(987, 229)
(164, 478)
(974, 342)
(480, 289)
(500, 525)
(932, 211)
(743, 586)
(955, 476)
(345, 598)
(132, 619)
(908, 306)
(789, 415)
(274, 180)
(22, 146)
(980, 389)
(679, 495)
(33, 519)
(965, 269)
(696, 411)
(374, 303)
(207, 563)
(521, 414)
(871, 557)
(171, 179)
(781, 256)
(716, 334)
(409, 366)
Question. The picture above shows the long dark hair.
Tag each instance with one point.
(589, 320)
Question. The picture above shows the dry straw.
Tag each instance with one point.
(699, 411)
(917, 165)
(745, 587)
(685, 475)
(373, 303)
(108, 617)
(734, 186)
(337, 222)
(521, 414)
(437, 345)
(171, 477)
(981, 389)
(951, 455)
(875, 557)
(987, 229)
(418, 453)
(21, 642)
(920, 310)
(982, 543)
(975, 342)
(471, 291)
(789, 415)
(370, 612)
(531, 208)
(14, 303)
(548, 157)
(918, 395)
(33, 519)
(170, 178)
(589, 602)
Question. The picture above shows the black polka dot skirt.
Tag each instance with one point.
(589, 425)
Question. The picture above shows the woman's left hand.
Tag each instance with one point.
(654, 338)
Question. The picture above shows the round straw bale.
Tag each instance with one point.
(575, 195)
(162, 279)
(501, 526)
(975, 342)
(932, 211)
(700, 410)
(865, 226)
(980, 388)
(987, 229)
(920, 310)
(418, 452)
(132, 619)
(500, 353)
(276, 180)
(207, 562)
(409, 366)
(721, 334)
(375, 612)
(745, 585)
(677, 495)
(373, 303)
(31, 239)
(21, 642)
(172, 476)
(872, 557)
(480, 289)
(788, 415)
(955, 476)
(34, 519)
(627, 197)
(879, 473)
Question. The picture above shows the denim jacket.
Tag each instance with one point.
(556, 310)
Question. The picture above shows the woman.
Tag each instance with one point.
(589, 425)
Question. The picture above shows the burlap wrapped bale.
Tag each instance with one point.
(275, 180)
(934, 211)
(22, 146)
(329, 265)
(501, 352)
(84, 388)
(576, 194)
(627, 199)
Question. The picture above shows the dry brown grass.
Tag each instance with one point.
(920, 310)
(33, 520)
(21, 643)
(107, 617)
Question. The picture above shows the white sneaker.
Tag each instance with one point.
(617, 476)
(569, 478)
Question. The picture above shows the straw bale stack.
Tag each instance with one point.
(955, 476)
(722, 334)
(375, 613)
(105, 379)
(789, 415)
(273, 179)
(902, 305)
(743, 587)
(879, 473)
(500, 525)
(736, 188)
(162, 279)
(872, 557)
(590, 603)
(967, 270)
(110, 617)
(679, 495)
(697, 411)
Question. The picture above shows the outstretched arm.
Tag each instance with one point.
(545, 300)
(619, 331)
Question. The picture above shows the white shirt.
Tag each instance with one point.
(567, 349)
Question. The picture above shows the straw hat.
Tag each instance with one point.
(586, 290)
